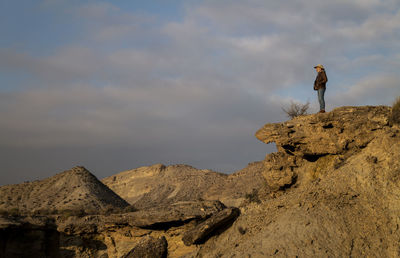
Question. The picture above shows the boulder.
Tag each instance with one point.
(205, 229)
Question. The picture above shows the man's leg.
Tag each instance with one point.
(321, 94)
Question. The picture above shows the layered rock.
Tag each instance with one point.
(335, 132)
(328, 138)
(155, 232)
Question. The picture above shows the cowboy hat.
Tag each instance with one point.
(320, 66)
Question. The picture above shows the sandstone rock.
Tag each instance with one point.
(162, 217)
(278, 170)
(168, 216)
(328, 138)
(149, 247)
(218, 221)
(334, 132)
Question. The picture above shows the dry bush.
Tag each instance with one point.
(395, 116)
(296, 109)
(129, 208)
(72, 213)
(14, 212)
(3, 213)
(253, 196)
(116, 210)
(43, 212)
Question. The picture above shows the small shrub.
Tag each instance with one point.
(91, 211)
(43, 212)
(296, 109)
(14, 212)
(395, 116)
(3, 213)
(72, 213)
(253, 196)
(130, 208)
(241, 230)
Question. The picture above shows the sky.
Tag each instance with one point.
(115, 85)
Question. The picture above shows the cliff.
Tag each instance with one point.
(335, 187)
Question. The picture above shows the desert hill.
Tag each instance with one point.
(72, 189)
(155, 185)
(158, 184)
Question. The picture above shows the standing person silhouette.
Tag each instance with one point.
(320, 86)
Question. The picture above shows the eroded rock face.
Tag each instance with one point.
(334, 132)
(319, 142)
(279, 170)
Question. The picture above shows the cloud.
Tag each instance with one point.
(193, 89)
(373, 90)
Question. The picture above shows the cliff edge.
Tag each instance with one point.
(334, 190)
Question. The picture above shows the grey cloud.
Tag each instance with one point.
(378, 89)
(212, 130)
(193, 91)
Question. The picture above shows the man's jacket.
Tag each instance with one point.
(320, 81)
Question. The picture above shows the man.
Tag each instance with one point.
(320, 86)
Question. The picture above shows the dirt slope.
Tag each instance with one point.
(73, 189)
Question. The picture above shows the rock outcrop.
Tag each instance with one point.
(329, 137)
(155, 232)
(335, 187)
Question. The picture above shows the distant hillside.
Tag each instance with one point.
(158, 184)
(73, 189)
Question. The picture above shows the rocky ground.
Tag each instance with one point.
(331, 190)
